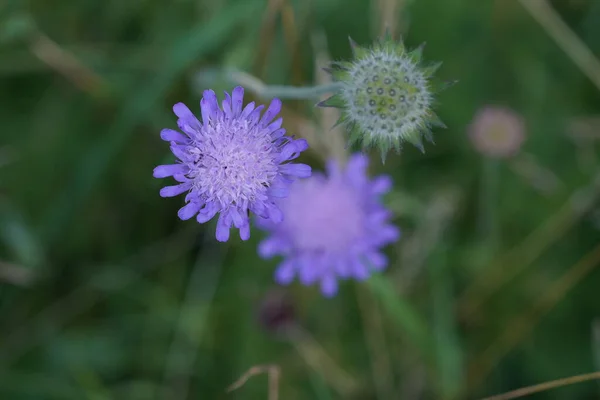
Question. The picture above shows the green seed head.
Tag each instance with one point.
(385, 95)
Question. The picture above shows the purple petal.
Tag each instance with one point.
(170, 135)
(271, 112)
(296, 170)
(329, 285)
(284, 179)
(247, 110)
(275, 125)
(227, 105)
(359, 270)
(205, 110)
(377, 260)
(180, 178)
(223, 226)
(245, 231)
(282, 141)
(180, 152)
(278, 133)
(356, 168)
(379, 216)
(279, 191)
(382, 184)
(239, 217)
(182, 111)
(271, 247)
(342, 267)
(211, 104)
(207, 213)
(274, 213)
(187, 119)
(163, 171)
(286, 152)
(309, 271)
(237, 100)
(388, 233)
(333, 169)
(192, 196)
(284, 274)
(188, 211)
(188, 130)
(292, 150)
(301, 145)
(259, 209)
(171, 191)
(263, 223)
(255, 115)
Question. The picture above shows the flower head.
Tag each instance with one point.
(386, 95)
(334, 227)
(497, 132)
(233, 162)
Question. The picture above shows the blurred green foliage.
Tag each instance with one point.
(107, 295)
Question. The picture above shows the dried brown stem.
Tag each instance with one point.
(272, 371)
(526, 391)
(65, 63)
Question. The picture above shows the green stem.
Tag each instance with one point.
(489, 201)
(263, 90)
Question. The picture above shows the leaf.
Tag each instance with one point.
(402, 314)
(447, 349)
(19, 237)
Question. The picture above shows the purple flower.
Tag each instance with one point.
(232, 162)
(334, 227)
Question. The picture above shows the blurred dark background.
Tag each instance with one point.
(105, 294)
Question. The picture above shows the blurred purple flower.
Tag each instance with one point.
(497, 132)
(232, 162)
(334, 227)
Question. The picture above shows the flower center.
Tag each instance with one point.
(499, 134)
(322, 216)
(233, 163)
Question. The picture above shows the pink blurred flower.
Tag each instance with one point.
(497, 132)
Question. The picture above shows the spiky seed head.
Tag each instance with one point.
(386, 95)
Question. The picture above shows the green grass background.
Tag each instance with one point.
(107, 295)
